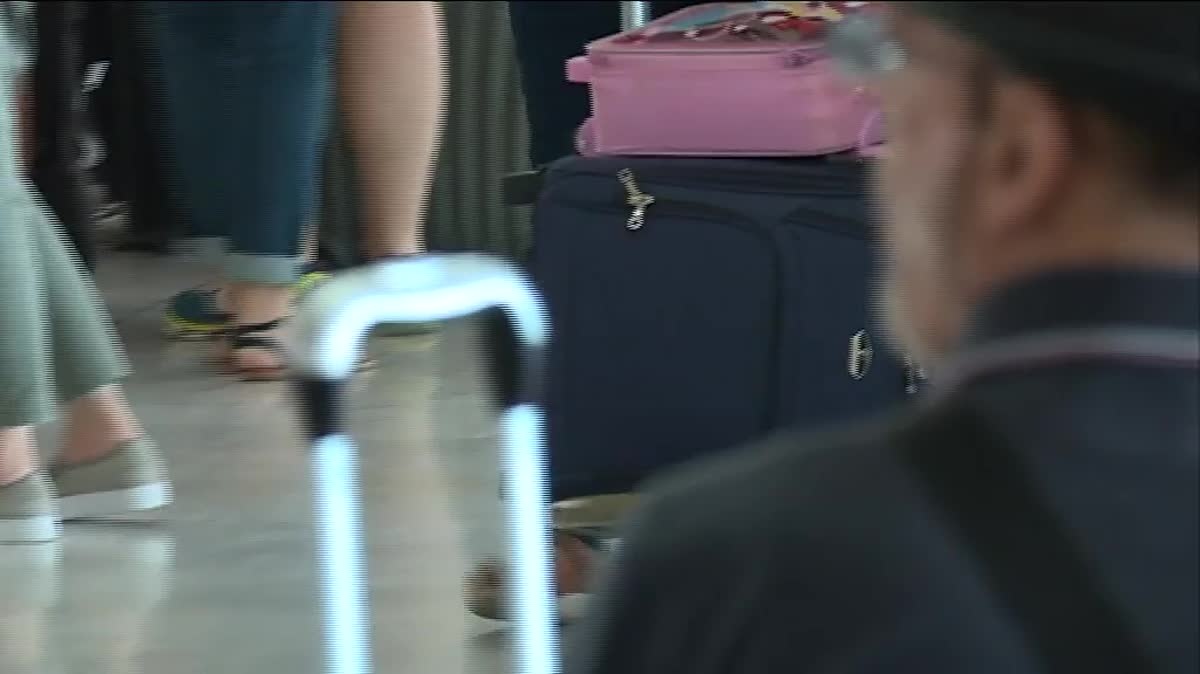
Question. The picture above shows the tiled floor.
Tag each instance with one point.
(224, 583)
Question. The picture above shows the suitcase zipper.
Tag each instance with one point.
(636, 202)
(669, 207)
(763, 181)
(636, 199)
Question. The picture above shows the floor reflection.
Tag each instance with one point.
(226, 584)
(87, 603)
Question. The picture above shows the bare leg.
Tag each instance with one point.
(96, 424)
(393, 90)
(18, 456)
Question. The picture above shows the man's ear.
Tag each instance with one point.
(1025, 157)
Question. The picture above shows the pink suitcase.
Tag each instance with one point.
(656, 90)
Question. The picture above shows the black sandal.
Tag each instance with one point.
(248, 337)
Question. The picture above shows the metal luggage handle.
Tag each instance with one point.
(634, 15)
(329, 332)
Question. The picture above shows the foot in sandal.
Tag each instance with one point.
(575, 557)
(257, 353)
(201, 313)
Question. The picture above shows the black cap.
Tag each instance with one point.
(1138, 60)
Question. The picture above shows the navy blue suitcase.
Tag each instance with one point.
(701, 303)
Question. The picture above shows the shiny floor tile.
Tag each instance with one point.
(224, 581)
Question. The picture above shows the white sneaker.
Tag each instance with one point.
(27, 512)
(130, 479)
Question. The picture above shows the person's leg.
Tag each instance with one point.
(198, 85)
(106, 465)
(222, 123)
(393, 100)
(55, 342)
(197, 81)
(261, 132)
(53, 323)
(282, 96)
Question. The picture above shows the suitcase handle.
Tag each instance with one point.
(579, 70)
(330, 329)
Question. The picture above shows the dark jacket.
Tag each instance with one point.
(821, 554)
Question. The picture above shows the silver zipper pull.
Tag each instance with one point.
(636, 199)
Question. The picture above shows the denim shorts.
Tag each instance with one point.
(248, 87)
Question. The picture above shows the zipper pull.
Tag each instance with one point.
(636, 199)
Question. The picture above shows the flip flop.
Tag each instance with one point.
(253, 336)
(574, 559)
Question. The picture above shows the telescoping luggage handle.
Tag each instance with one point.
(330, 330)
(634, 15)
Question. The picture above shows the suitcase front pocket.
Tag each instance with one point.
(665, 333)
(831, 323)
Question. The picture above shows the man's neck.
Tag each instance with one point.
(1148, 241)
(1147, 238)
